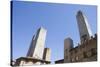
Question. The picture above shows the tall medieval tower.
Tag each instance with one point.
(83, 26)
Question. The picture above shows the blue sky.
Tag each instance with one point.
(58, 19)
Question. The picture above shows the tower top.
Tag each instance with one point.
(79, 11)
(42, 28)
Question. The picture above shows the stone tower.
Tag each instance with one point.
(37, 44)
(47, 54)
(83, 26)
(68, 44)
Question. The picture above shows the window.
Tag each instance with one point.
(84, 55)
(84, 37)
(77, 58)
(76, 50)
(94, 51)
(89, 53)
(66, 50)
(73, 60)
(66, 57)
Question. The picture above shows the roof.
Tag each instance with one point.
(60, 61)
(31, 58)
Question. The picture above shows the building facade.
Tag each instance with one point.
(29, 61)
(84, 52)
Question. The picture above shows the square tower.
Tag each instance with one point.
(37, 44)
(47, 54)
(68, 44)
(83, 26)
